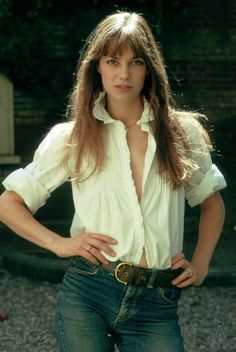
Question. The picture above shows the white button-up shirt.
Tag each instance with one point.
(107, 202)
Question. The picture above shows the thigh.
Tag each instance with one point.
(159, 340)
(153, 325)
(79, 325)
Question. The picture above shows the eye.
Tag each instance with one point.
(111, 62)
(138, 62)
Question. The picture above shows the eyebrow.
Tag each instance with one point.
(117, 57)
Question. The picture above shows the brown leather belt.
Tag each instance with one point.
(127, 273)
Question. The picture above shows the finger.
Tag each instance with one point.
(100, 245)
(177, 257)
(185, 283)
(87, 255)
(98, 255)
(180, 263)
(184, 277)
(87, 247)
(104, 238)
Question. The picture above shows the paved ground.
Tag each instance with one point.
(207, 317)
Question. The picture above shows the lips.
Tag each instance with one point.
(123, 87)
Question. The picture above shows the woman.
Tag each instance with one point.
(131, 158)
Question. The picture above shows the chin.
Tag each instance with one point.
(124, 97)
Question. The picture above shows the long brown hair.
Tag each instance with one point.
(89, 134)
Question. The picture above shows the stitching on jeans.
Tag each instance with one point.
(164, 299)
(119, 347)
(126, 311)
(91, 269)
(60, 333)
(83, 272)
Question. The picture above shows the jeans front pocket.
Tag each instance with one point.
(78, 275)
(82, 266)
(169, 295)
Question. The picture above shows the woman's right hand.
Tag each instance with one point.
(87, 245)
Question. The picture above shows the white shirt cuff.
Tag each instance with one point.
(28, 188)
(211, 182)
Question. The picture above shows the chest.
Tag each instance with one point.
(137, 141)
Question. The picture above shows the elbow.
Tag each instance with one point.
(7, 200)
(3, 205)
(3, 209)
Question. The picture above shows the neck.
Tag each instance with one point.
(128, 113)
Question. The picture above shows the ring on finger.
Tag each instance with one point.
(88, 249)
(190, 272)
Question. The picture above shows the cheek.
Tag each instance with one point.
(100, 68)
(140, 73)
(105, 74)
(141, 77)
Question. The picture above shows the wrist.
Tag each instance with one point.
(55, 244)
(201, 265)
(201, 272)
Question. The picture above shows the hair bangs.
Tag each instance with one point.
(114, 45)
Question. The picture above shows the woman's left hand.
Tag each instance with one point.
(192, 275)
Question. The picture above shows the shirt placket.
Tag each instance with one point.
(135, 206)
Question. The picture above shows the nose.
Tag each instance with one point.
(124, 72)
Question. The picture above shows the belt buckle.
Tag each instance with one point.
(117, 269)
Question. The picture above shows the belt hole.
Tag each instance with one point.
(126, 274)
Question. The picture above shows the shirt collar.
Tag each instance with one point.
(101, 113)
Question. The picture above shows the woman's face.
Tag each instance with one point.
(122, 76)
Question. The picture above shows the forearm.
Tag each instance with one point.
(210, 227)
(16, 216)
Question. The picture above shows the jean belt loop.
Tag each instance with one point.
(152, 280)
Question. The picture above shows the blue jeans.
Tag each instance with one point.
(95, 312)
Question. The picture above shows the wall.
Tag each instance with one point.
(199, 43)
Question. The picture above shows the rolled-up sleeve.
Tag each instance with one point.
(45, 173)
(206, 179)
(203, 187)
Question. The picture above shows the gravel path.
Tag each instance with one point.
(208, 316)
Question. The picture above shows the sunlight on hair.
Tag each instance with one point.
(129, 28)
